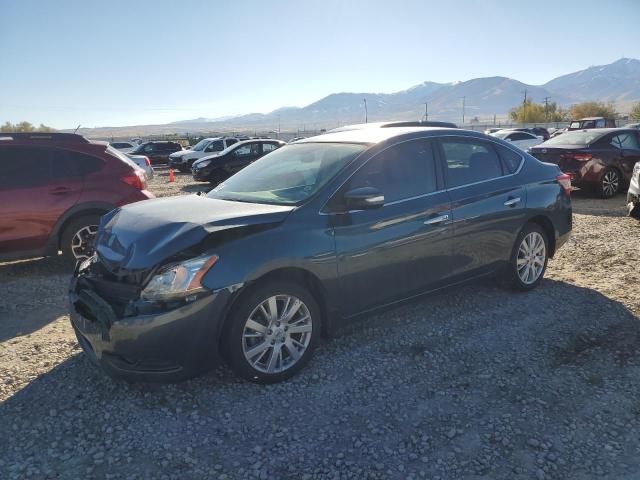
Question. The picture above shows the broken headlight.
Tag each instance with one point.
(178, 279)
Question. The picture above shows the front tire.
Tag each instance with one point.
(529, 259)
(273, 332)
(609, 183)
(78, 238)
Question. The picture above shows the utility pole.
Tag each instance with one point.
(463, 105)
(524, 107)
(366, 114)
(426, 111)
(278, 126)
(546, 109)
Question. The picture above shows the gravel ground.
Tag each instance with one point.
(470, 383)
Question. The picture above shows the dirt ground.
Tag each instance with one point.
(538, 385)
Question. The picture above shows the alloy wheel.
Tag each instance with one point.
(83, 242)
(277, 334)
(610, 183)
(532, 255)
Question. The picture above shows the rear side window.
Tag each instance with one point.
(400, 172)
(269, 147)
(231, 141)
(626, 141)
(247, 150)
(510, 159)
(520, 136)
(67, 163)
(469, 161)
(24, 167)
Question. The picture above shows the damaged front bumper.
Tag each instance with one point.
(167, 345)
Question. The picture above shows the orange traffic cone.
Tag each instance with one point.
(172, 177)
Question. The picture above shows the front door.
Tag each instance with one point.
(403, 247)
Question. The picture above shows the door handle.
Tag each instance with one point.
(512, 202)
(436, 220)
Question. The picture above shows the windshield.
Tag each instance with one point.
(198, 147)
(574, 138)
(289, 175)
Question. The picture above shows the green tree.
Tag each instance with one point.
(593, 109)
(24, 127)
(635, 112)
(530, 112)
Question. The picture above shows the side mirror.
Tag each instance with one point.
(364, 198)
(509, 140)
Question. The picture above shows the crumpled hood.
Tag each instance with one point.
(141, 235)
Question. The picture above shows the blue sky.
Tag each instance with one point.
(97, 63)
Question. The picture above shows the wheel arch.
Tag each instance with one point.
(546, 224)
(296, 275)
(75, 212)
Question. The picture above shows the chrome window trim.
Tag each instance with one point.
(432, 137)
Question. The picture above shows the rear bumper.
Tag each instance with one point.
(169, 346)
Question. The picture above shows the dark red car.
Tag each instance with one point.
(53, 190)
(599, 159)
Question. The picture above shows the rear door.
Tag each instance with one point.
(487, 200)
(628, 152)
(403, 247)
(37, 186)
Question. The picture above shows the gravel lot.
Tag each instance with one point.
(470, 383)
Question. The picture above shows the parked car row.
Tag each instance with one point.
(295, 238)
(601, 159)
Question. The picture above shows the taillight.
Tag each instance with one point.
(136, 179)
(147, 162)
(581, 157)
(565, 182)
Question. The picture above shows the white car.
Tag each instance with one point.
(144, 163)
(184, 159)
(124, 147)
(522, 140)
(633, 195)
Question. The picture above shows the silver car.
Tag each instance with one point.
(144, 163)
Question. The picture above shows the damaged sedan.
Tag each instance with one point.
(318, 231)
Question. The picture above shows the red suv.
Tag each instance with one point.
(53, 190)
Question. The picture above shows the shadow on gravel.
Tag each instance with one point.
(447, 369)
(587, 203)
(32, 295)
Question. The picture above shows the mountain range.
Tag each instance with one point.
(618, 82)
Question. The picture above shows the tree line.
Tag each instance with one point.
(530, 112)
(24, 127)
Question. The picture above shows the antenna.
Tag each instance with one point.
(77, 128)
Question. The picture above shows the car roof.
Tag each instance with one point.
(592, 118)
(377, 135)
(35, 137)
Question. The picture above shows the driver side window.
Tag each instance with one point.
(400, 172)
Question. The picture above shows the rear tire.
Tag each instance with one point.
(78, 237)
(609, 184)
(529, 259)
(260, 340)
